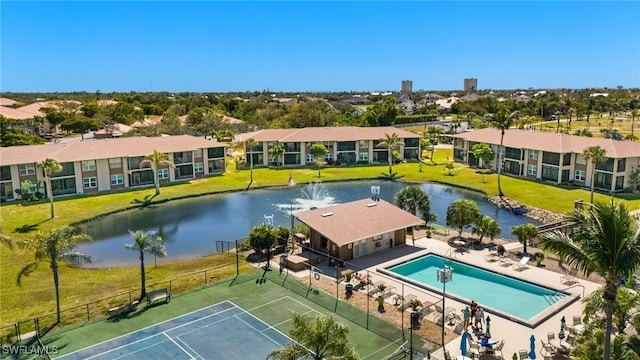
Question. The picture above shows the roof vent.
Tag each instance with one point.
(327, 214)
(372, 204)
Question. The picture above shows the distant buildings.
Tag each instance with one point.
(470, 85)
(407, 87)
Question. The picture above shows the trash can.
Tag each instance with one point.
(348, 289)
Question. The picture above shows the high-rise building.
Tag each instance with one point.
(407, 86)
(470, 84)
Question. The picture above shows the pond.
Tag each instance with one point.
(191, 227)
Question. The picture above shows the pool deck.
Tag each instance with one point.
(517, 336)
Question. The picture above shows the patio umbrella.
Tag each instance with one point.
(488, 332)
(463, 343)
(563, 324)
(532, 345)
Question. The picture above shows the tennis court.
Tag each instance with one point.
(220, 331)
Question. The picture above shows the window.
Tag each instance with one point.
(532, 170)
(117, 179)
(606, 165)
(217, 152)
(163, 173)
(533, 154)
(550, 158)
(580, 160)
(364, 156)
(90, 182)
(512, 153)
(579, 176)
(622, 163)
(329, 156)
(197, 153)
(27, 169)
(115, 163)
(88, 165)
(309, 158)
(363, 144)
(198, 167)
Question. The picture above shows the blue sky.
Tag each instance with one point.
(316, 46)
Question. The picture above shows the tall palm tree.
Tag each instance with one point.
(433, 132)
(605, 240)
(502, 121)
(391, 142)
(155, 161)
(277, 152)
(50, 166)
(595, 154)
(414, 199)
(143, 242)
(634, 114)
(485, 225)
(58, 243)
(317, 337)
(524, 233)
(249, 144)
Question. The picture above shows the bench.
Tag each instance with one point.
(123, 309)
(158, 295)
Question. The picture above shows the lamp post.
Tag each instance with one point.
(444, 275)
(269, 221)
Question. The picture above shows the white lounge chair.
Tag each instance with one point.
(505, 261)
(569, 278)
(491, 257)
(523, 264)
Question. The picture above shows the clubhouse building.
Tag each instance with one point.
(90, 166)
(347, 145)
(358, 228)
(554, 157)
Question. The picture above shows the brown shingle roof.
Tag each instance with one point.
(102, 149)
(552, 142)
(342, 133)
(357, 220)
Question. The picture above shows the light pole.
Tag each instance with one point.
(444, 275)
(269, 221)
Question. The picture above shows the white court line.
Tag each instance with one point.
(124, 346)
(181, 348)
(382, 348)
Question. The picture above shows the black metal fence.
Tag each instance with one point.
(36, 327)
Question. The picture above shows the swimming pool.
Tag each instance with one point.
(515, 299)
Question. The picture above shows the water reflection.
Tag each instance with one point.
(192, 226)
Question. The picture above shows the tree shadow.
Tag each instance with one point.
(27, 228)
(148, 200)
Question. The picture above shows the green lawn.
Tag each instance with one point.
(78, 286)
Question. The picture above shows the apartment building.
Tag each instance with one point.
(348, 145)
(90, 166)
(554, 157)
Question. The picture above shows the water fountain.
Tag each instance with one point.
(314, 195)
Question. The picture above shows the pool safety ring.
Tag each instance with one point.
(316, 276)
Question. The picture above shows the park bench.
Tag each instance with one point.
(158, 295)
(123, 309)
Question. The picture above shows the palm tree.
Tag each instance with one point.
(433, 132)
(595, 154)
(414, 199)
(277, 152)
(50, 166)
(485, 225)
(155, 161)
(524, 233)
(143, 242)
(318, 151)
(318, 337)
(249, 144)
(58, 243)
(634, 114)
(391, 142)
(157, 249)
(605, 240)
(502, 121)
(626, 301)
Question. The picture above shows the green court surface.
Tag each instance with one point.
(269, 302)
